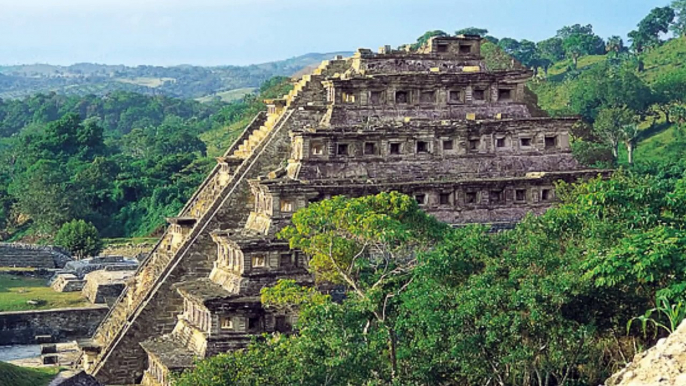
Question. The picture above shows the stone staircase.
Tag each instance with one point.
(244, 152)
(253, 141)
(135, 296)
(306, 88)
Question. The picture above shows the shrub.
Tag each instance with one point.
(80, 238)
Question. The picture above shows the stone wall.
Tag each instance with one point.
(35, 256)
(63, 325)
(105, 286)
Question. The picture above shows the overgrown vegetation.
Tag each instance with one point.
(121, 162)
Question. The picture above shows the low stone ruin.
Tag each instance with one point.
(114, 270)
(104, 286)
(67, 282)
(33, 256)
(68, 378)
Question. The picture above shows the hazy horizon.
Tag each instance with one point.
(242, 32)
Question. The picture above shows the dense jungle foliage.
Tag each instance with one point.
(121, 162)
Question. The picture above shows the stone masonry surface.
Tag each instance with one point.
(62, 325)
(34, 256)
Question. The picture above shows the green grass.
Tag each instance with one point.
(227, 96)
(11, 375)
(15, 291)
(218, 140)
(147, 82)
(560, 68)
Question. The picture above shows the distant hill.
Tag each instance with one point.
(184, 81)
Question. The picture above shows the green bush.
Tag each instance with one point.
(80, 238)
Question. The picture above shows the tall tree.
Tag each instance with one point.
(679, 25)
(630, 135)
(578, 40)
(425, 38)
(649, 29)
(610, 125)
(551, 49)
(369, 244)
(615, 46)
(472, 31)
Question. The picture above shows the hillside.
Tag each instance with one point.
(657, 138)
(225, 82)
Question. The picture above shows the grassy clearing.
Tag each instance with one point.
(11, 375)
(218, 140)
(227, 96)
(16, 291)
(147, 82)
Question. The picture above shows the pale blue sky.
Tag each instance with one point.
(217, 32)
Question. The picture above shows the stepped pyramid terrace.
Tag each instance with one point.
(436, 124)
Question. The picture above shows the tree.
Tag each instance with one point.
(615, 46)
(422, 40)
(609, 126)
(630, 135)
(670, 89)
(578, 40)
(524, 51)
(44, 194)
(551, 49)
(606, 86)
(649, 29)
(472, 31)
(80, 238)
(369, 244)
(679, 25)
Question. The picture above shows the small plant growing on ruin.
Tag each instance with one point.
(80, 238)
(674, 313)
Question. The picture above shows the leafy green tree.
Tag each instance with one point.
(649, 29)
(615, 46)
(472, 31)
(605, 86)
(609, 126)
(670, 89)
(369, 244)
(679, 25)
(44, 194)
(80, 238)
(578, 41)
(422, 40)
